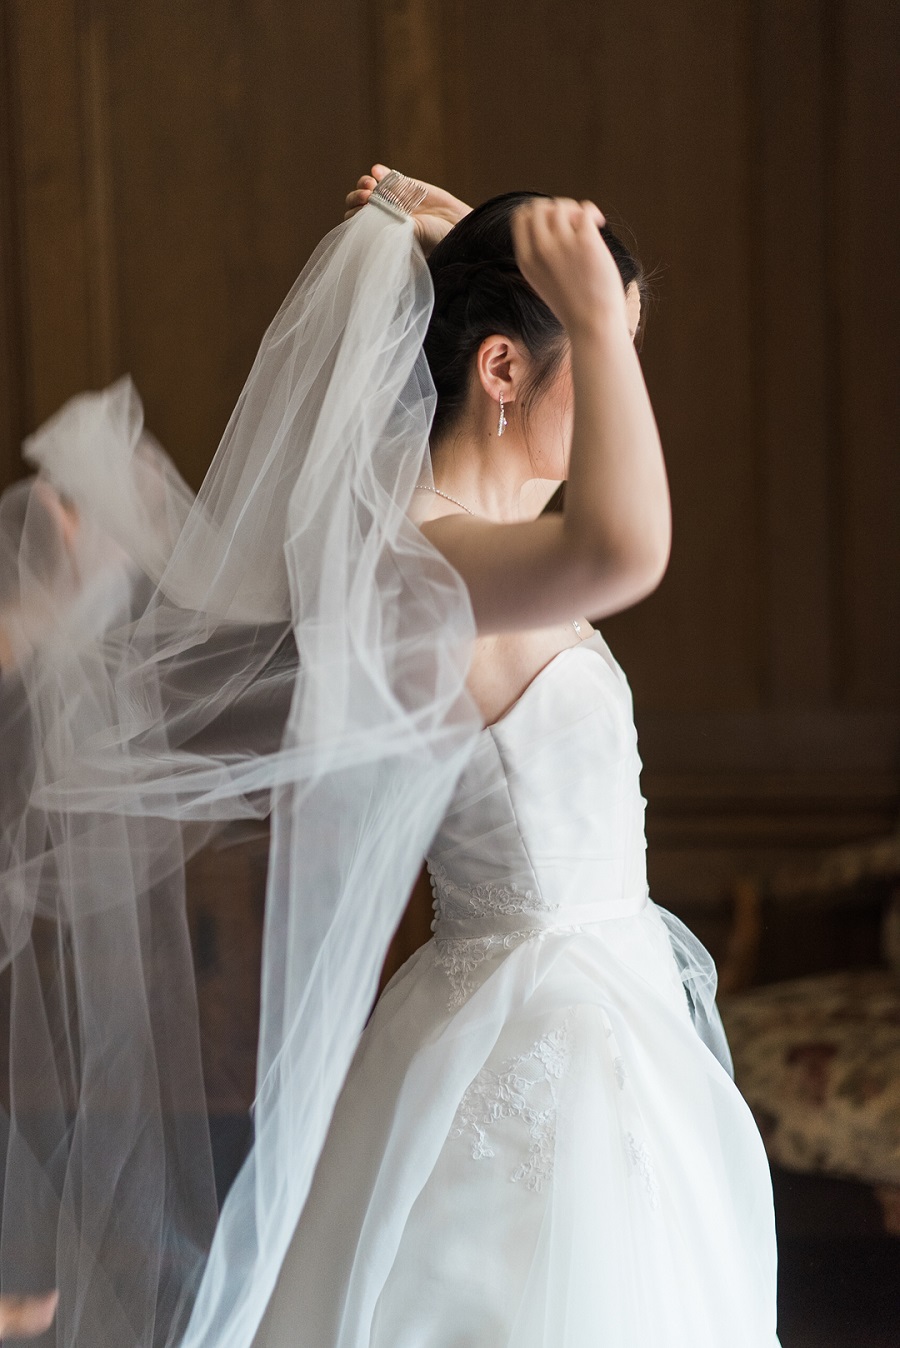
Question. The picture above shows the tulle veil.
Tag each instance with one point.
(285, 643)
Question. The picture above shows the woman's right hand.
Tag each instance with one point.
(432, 219)
(563, 257)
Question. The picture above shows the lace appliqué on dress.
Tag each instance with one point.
(456, 901)
(640, 1159)
(525, 1088)
(460, 958)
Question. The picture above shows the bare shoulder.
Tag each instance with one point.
(503, 665)
(504, 662)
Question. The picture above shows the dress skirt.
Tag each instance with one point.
(535, 1148)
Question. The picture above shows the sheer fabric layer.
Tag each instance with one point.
(285, 642)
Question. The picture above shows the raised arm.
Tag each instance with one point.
(610, 546)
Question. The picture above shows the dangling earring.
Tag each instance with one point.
(502, 423)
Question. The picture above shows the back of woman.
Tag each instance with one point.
(540, 1144)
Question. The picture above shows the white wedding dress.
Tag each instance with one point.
(535, 1148)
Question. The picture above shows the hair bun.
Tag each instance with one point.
(455, 275)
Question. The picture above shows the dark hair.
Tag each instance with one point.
(479, 290)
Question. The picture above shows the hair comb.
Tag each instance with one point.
(398, 194)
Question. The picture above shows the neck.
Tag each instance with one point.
(495, 487)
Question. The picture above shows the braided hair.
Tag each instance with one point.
(479, 290)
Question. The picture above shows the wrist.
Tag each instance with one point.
(598, 326)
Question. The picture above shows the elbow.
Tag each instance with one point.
(640, 571)
(642, 551)
(652, 562)
(626, 569)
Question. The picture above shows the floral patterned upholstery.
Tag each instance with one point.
(818, 1061)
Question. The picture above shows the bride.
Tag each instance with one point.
(534, 1145)
(367, 624)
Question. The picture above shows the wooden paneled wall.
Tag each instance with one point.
(167, 166)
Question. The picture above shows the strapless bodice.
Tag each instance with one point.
(546, 825)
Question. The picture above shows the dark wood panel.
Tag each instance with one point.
(101, 261)
(409, 68)
(865, 234)
(786, 742)
(52, 210)
(55, 251)
(769, 808)
(258, 123)
(13, 392)
(674, 124)
(795, 387)
(520, 94)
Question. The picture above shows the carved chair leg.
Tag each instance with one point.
(737, 970)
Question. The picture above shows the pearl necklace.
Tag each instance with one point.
(438, 492)
(447, 497)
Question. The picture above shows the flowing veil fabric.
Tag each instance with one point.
(108, 1178)
(285, 643)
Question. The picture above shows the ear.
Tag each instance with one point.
(500, 364)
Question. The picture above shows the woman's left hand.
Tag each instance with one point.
(433, 218)
(26, 1317)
